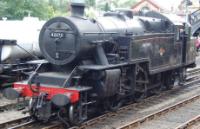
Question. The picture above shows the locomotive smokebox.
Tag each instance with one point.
(66, 40)
(77, 7)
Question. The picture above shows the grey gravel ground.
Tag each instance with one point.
(4, 101)
(8, 114)
(11, 115)
(175, 118)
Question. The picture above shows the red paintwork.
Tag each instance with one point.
(51, 91)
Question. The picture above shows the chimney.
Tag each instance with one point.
(77, 8)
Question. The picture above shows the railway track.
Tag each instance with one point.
(193, 70)
(170, 116)
(15, 122)
(6, 105)
(132, 110)
(190, 124)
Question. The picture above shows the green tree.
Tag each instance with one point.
(126, 3)
(60, 7)
(45, 9)
(112, 4)
(90, 3)
(106, 7)
(2, 7)
(17, 9)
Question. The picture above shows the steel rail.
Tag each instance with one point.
(14, 122)
(189, 123)
(152, 116)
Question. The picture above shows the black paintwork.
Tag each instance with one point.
(152, 37)
(109, 59)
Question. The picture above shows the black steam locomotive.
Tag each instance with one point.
(99, 64)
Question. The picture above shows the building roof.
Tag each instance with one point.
(166, 5)
(149, 1)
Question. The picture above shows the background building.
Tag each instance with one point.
(172, 6)
(146, 4)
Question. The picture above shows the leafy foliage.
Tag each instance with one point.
(90, 3)
(2, 7)
(60, 7)
(107, 5)
(45, 9)
(17, 9)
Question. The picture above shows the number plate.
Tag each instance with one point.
(57, 35)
